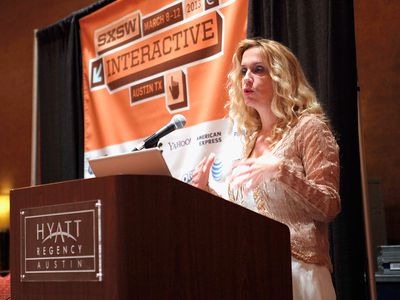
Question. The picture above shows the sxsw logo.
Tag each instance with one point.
(97, 73)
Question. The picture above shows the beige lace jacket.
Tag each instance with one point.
(303, 194)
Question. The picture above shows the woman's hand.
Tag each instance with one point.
(250, 172)
(201, 173)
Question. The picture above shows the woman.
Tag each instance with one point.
(290, 169)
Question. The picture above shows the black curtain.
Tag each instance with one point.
(321, 34)
(60, 105)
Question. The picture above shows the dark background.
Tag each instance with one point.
(376, 32)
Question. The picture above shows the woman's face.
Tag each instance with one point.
(256, 82)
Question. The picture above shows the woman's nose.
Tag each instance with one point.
(247, 77)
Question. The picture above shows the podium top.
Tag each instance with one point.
(143, 162)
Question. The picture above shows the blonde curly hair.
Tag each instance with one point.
(293, 95)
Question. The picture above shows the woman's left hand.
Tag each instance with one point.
(250, 172)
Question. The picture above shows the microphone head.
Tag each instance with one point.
(179, 121)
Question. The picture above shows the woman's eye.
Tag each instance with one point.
(259, 70)
(243, 71)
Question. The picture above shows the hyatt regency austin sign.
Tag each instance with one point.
(61, 242)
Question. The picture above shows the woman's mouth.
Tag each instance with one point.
(247, 90)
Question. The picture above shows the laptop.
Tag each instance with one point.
(143, 162)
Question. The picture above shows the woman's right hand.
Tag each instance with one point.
(201, 173)
(251, 171)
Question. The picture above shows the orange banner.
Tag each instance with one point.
(144, 61)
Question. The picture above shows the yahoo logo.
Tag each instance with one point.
(179, 144)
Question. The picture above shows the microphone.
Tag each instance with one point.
(177, 122)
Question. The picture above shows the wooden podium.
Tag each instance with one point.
(142, 237)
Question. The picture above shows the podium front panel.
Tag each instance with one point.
(160, 239)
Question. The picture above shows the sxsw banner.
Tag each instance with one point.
(144, 61)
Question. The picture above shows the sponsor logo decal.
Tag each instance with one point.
(175, 145)
(217, 169)
(210, 138)
(187, 177)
